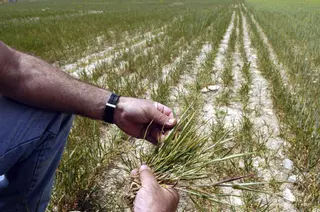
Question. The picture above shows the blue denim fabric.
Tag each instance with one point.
(31, 146)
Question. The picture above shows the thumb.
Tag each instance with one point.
(161, 119)
(146, 177)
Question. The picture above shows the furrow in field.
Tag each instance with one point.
(189, 79)
(273, 56)
(90, 62)
(299, 111)
(149, 72)
(234, 112)
(211, 92)
(237, 62)
(221, 55)
(166, 68)
(275, 166)
(169, 68)
(183, 90)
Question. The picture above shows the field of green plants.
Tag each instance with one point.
(250, 69)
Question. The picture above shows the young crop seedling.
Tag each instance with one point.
(183, 161)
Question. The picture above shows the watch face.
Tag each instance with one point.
(113, 99)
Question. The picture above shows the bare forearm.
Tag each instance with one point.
(34, 82)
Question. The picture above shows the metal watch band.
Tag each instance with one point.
(110, 107)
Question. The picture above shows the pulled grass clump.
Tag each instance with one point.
(184, 161)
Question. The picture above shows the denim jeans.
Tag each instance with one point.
(31, 146)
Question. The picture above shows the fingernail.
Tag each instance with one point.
(143, 167)
(171, 121)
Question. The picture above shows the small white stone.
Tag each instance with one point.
(237, 201)
(287, 195)
(207, 108)
(292, 179)
(204, 90)
(273, 144)
(287, 164)
(234, 196)
(228, 145)
(256, 161)
(214, 88)
(288, 207)
(241, 164)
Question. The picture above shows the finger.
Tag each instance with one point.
(152, 140)
(165, 132)
(147, 178)
(160, 118)
(164, 109)
(170, 190)
(157, 134)
(174, 193)
(145, 134)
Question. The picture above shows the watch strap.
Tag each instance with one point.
(110, 107)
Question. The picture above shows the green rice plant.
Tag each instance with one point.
(299, 114)
(161, 93)
(183, 161)
(78, 172)
(245, 87)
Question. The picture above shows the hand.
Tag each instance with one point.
(151, 196)
(133, 116)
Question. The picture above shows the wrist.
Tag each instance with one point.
(109, 110)
(119, 110)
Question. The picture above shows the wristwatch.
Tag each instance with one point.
(110, 107)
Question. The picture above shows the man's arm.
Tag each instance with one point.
(36, 83)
